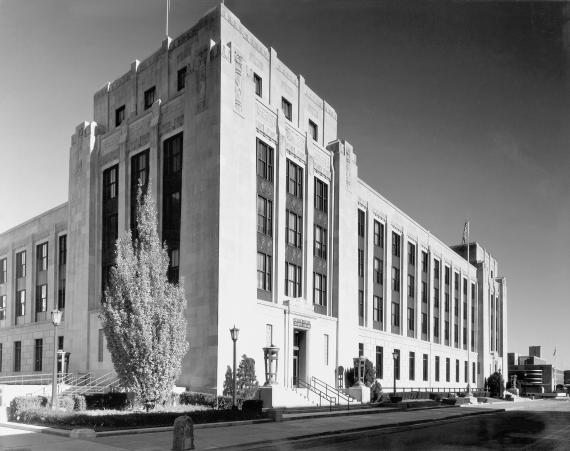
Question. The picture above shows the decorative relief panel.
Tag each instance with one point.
(202, 81)
(294, 142)
(251, 39)
(265, 188)
(320, 265)
(110, 143)
(139, 141)
(190, 34)
(150, 61)
(287, 73)
(293, 255)
(295, 204)
(265, 244)
(238, 82)
(379, 215)
(330, 111)
(315, 100)
(266, 122)
(184, 53)
(120, 81)
(321, 163)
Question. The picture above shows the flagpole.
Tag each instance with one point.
(469, 313)
(167, 13)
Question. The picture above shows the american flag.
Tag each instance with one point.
(466, 233)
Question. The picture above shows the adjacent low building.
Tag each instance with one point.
(268, 227)
(532, 373)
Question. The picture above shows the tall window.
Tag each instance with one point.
(313, 130)
(446, 302)
(287, 108)
(397, 364)
(320, 245)
(361, 306)
(424, 292)
(38, 354)
(411, 254)
(110, 221)
(425, 367)
(3, 271)
(360, 349)
(436, 270)
(411, 286)
(21, 264)
(379, 362)
(378, 271)
(321, 195)
(360, 262)
(377, 310)
(466, 371)
(110, 183)
(412, 366)
(411, 319)
(0, 357)
(446, 330)
(294, 179)
(119, 115)
(447, 369)
(149, 96)
(447, 275)
(62, 250)
(264, 266)
(293, 280)
(436, 328)
(437, 368)
(41, 298)
(395, 244)
(294, 227)
(181, 78)
(2, 307)
(395, 279)
(61, 294)
(435, 297)
(264, 161)
(264, 216)
(17, 356)
(139, 175)
(456, 370)
(21, 303)
(172, 201)
(42, 256)
(424, 323)
(378, 234)
(395, 314)
(361, 222)
(258, 85)
(424, 262)
(319, 289)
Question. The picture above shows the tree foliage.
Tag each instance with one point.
(495, 383)
(143, 314)
(246, 381)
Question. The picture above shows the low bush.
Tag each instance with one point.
(252, 407)
(107, 401)
(107, 420)
(209, 400)
(23, 403)
(66, 403)
(376, 392)
(79, 403)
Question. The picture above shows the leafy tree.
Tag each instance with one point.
(246, 382)
(143, 314)
(495, 383)
(229, 382)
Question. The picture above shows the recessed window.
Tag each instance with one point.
(377, 310)
(437, 368)
(395, 314)
(424, 262)
(294, 179)
(397, 364)
(411, 254)
(379, 362)
(258, 85)
(360, 262)
(378, 271)
(425, 367)
(38, 354)
(110, 184)
(100, 346)
(412, 366)
(62, 250)
(21, 303)
(41, 298)
(447, 369)
(320, 245)
(21, 264)
(411, 286)
(361, 306)
(17, 356)
(313, 130)
(424, 292)
(181, 78)
(395, 244)
(294, 232)
(264, 161)
(321, 195)
(378, 234)
(293, 280)
(264, 267)
(3, 307)
(361, 222)
(149, 95)
(411, 319)
(42, 257)
(119, 115)
(319, 289)
(287, 108)
(264, 216)
(3, 271)
(395, 279)
(424, 323)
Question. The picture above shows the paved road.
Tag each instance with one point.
(529, 426)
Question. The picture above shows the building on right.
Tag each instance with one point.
(533, 374)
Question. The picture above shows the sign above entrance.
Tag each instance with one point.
(301, 323)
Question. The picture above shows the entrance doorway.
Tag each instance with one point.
(299, 356)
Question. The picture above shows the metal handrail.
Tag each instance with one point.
(27, 378)
(336, 392)
(303, 384)
(98, 385)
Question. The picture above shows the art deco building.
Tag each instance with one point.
(268, 225)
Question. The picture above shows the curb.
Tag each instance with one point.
(402, 424)
(371, 411)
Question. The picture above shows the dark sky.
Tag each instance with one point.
(456, 110)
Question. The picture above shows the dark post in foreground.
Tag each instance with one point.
(234, 332)
(183, 434)
(56, 320)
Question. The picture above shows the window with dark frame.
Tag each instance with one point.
(287, 108)
(258, 85)
(319, 289)
(411, 254)
(38, 354)
(424, 292)
(149, 95)
(293, 282)
(379, 362)
(446, 331)
(361, 305)
(181, 78)
(466, 372)
(294, 229)
(447, 275)
(361, 222)
(456, 370)
(139, 176)
(264, 161)
(378, 234)
(42, 257)
(361, 263)
(411, 319)
(21, 264)
(360, 349)
(437, 368)
(1, 357)
(3, 270)
(320, 242)
(119, 115)
(294, 179)
(41, 298)
(447, 369)
(424, 262)
(435, 297)
(17, 356)
(321, 195)
(397, 364)
(21, 303)
(2, 307)
(395, 314)
(424, 323)
(264, 216)
(264, 271)
(61, 294)
(377, 310)
(313, 130)
(62, 260)
(378, 271)
(395, 279)
(395, 244)
(411, 286)
(412, 366)
(425, 367)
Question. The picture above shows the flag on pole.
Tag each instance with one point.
(554, 354)
(466, 233)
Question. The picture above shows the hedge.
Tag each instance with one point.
(59, 418)
(209, 400)
(21, 404)
(110, 401)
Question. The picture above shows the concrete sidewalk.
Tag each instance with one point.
(238, 436)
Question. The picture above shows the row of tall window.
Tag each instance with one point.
(38, 355)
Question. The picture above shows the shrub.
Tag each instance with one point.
(246, 381)
(495, 383)
(350, 377)
(66, 402)
(209, 400)
(376, 392)
(252, 406)
(22, 403)
(103, 401)
(79, 403)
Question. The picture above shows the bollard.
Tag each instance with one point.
(183, 434)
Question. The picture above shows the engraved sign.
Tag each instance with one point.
(301, 323)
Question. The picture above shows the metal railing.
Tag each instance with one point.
(336, 393)
(85, 384)
(27, 379)
(322, 395)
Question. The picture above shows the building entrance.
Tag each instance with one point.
(299, 356)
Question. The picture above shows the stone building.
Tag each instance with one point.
(268, 227)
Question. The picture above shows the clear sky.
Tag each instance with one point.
(456, 111)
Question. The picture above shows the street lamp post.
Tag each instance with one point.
(234, 332)
(56, 320)
(395, 357)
